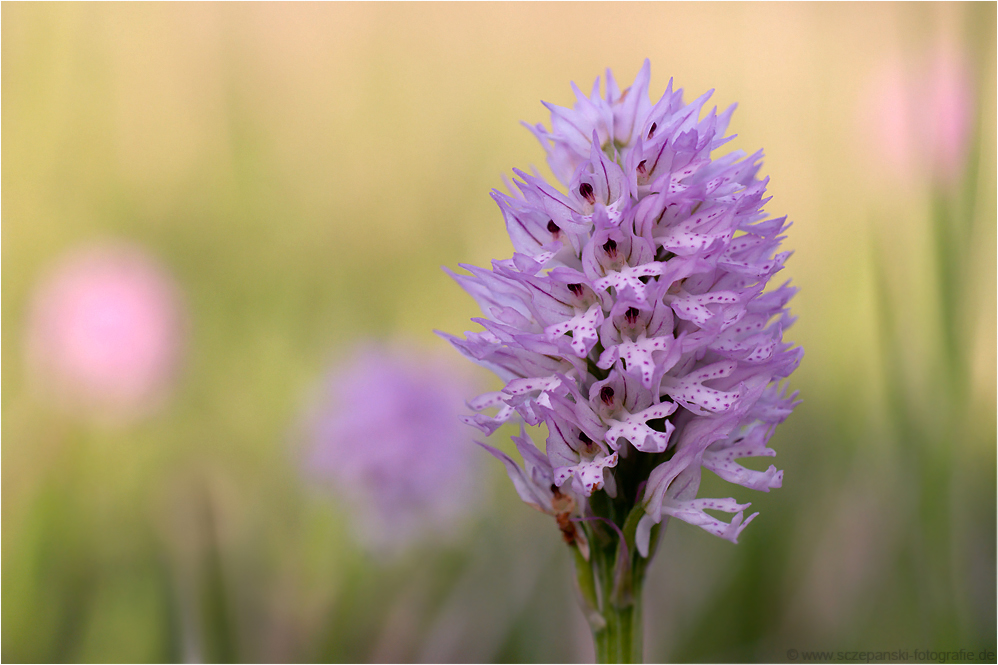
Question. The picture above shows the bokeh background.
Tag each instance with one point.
(297, 174)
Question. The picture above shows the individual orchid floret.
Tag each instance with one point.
(637, 324)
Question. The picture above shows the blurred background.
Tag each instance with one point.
(209, 208)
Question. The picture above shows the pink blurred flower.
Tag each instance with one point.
(918, 115)
(385, 435)
(948, 107)
(104, 331)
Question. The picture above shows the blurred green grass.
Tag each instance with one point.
(305, 170)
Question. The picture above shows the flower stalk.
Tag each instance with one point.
(615, 615)
(611, 584)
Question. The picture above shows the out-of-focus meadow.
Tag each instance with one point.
(297, 174)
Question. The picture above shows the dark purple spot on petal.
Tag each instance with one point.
(606, 394)
(586, 192)
(651, 132)
(610, 247)
(631, 315)
(552, 227)
(576, 289)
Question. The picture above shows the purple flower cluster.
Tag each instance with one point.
(633, 319)
(384, 434)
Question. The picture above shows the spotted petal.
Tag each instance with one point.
(635, 429)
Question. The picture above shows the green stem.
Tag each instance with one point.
(610, 582)
(620, 640)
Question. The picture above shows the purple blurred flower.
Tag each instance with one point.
(385, 435)
(632, 319)
(105, 331)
